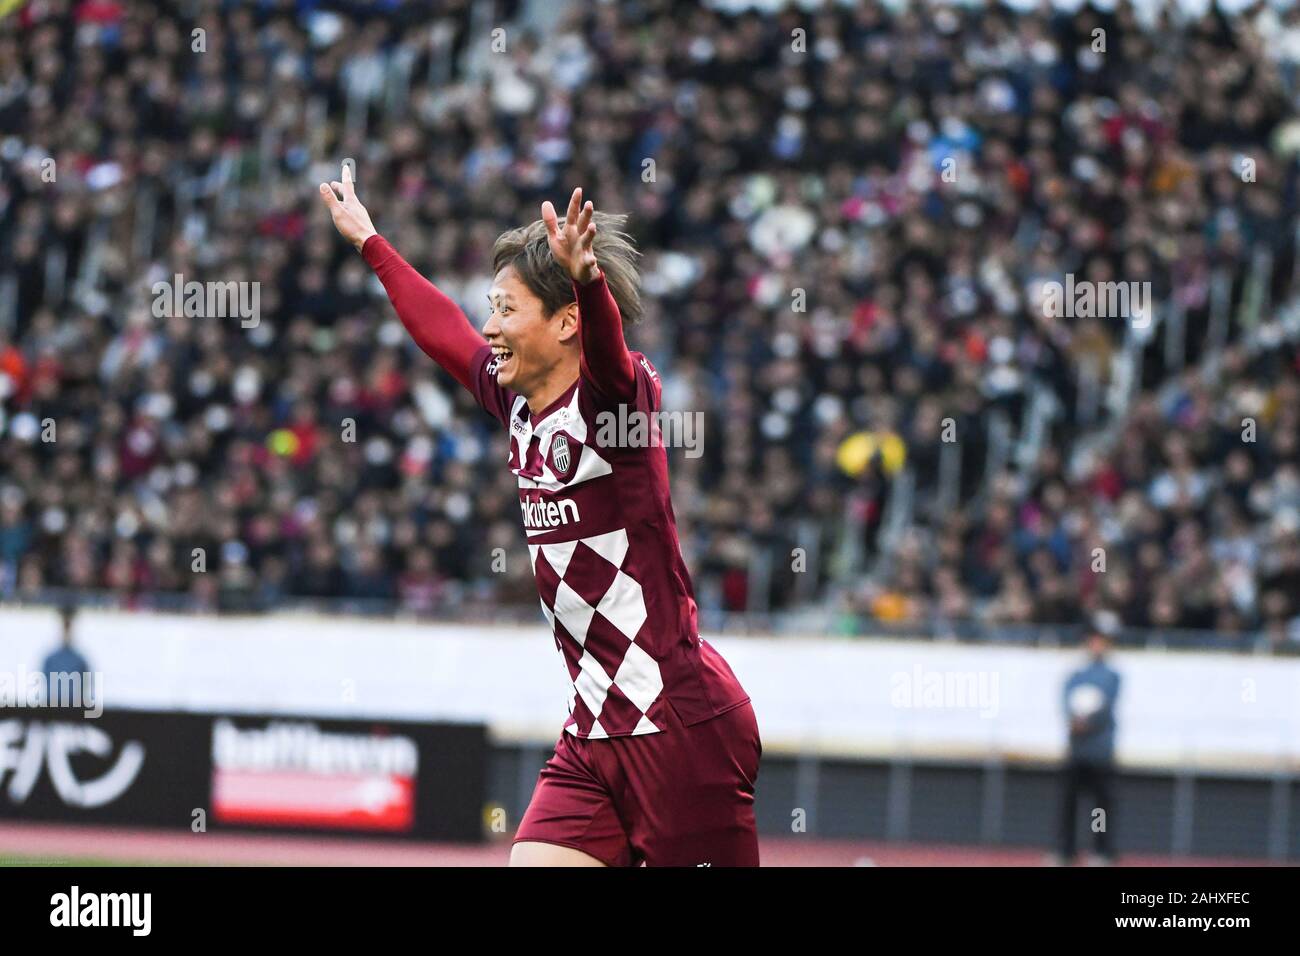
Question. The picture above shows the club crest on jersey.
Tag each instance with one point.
(561, 457)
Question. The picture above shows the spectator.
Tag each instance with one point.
(847, 247)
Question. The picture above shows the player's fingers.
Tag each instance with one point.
(585, 217)
(548, 217)
(588, 236)
(349, 191)
(575, 203)
(327, 193)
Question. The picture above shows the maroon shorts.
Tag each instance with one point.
(681, 797)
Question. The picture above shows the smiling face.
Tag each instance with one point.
(534, 350)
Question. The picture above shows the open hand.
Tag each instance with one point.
(571, 244)
(350, 217)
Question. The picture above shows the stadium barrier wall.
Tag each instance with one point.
(853, 698)
(206, 772)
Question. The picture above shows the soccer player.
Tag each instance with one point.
(657, 761)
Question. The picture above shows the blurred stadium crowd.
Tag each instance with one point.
(847, 221)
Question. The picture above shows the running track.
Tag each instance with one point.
(53, 843)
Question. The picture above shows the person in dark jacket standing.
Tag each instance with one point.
(1089, 698)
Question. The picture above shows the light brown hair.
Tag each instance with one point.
(527, 251)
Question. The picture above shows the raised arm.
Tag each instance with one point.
(434, 321)
(605, 361)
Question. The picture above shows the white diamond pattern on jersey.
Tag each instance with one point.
(591, 464)
(597, 610)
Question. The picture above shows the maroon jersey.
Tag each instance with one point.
(601, 533)
(603, 544)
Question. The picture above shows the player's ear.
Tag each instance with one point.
(568, 317)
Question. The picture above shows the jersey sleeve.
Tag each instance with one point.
(435, 322)
(606, 364)
(649, 390)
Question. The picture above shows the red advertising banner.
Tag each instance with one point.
(293, 773)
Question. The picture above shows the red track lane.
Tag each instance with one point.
(53, 843)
